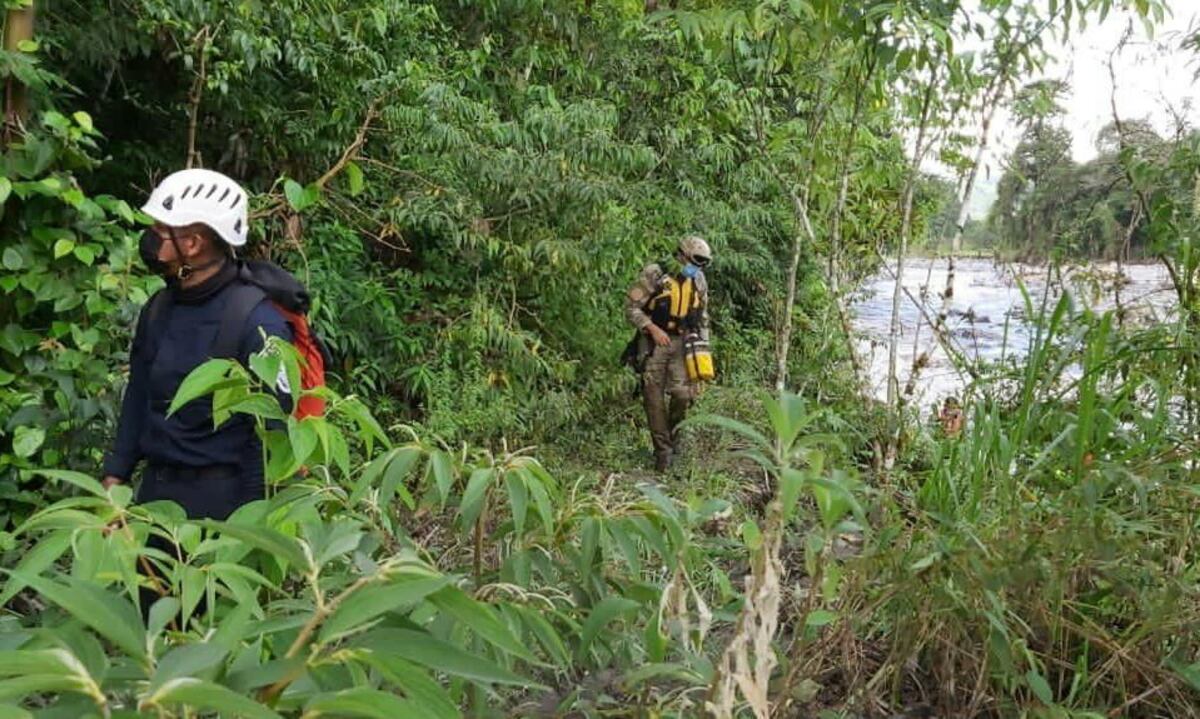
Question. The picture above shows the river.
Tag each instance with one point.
(986, 301)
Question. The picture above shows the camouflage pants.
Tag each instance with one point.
(667, 394)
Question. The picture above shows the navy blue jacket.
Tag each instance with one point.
(181, 341)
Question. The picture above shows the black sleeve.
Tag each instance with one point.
(126, 452)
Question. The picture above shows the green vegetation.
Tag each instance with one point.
(469, 188)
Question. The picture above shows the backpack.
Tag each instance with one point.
(258, 280)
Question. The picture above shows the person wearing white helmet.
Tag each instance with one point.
(665, 309)
(200, 218)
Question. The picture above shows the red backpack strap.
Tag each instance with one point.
(312, 363)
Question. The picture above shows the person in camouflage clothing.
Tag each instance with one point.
(664, 308)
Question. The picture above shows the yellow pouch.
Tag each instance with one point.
(698, 359)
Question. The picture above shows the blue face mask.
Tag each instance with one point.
(690, 271)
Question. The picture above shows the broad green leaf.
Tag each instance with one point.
(245, 678)
(652, 535)
(442, 468)
(473, 496)
(1040, 687)
(40, 661)
(545, 507)
(820, 617)
(330, 541)
(40, 556)
(84, 121)
(233, 628)
(518, 499)
(395, 474)
(1190, 673)
(111, 616)
(162, 611)
(22, 686)
(187, 660)
(363, 702)
(429, 651)
(200, 694)
(791, 481)
(481, 618)
(745, 430)
(751, 535)
(63, 247)
(550, 640)
(588, 544)
(673, 671)
(354, 175)
(79, 479)
(833, 499)
(414, 681)
(265, 366)
(370, 474)
(303, 438)
(369, 429)
(616, 530)
(7, 711)
(255, 405)
(5, 189)
(27, 441)
(605, 611)
(296, 197)
(201, 381)
(374, 600)
(339, 450)
(12, 260)
(264, 538)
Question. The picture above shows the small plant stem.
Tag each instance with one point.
(480, 524)
(271, 694)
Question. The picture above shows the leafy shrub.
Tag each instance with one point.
(69, 298)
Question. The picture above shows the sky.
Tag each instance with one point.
(1153, 74)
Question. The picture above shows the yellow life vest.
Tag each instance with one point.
(677, 306)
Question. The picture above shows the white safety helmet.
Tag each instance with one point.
(190, 196)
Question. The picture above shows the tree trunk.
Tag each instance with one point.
(961, 222)
(18, 28)
(805, 231)
(910, 185)
(990, 102)
(835, 228)
(839, 209)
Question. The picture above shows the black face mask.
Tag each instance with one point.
(148, 248)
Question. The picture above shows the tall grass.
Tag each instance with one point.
(1043, 563)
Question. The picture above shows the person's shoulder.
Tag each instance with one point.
(265, 313)
(650, 274)
(647, 282)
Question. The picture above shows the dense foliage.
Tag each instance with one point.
(469, 188)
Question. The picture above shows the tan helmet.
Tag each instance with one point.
(695, 250)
